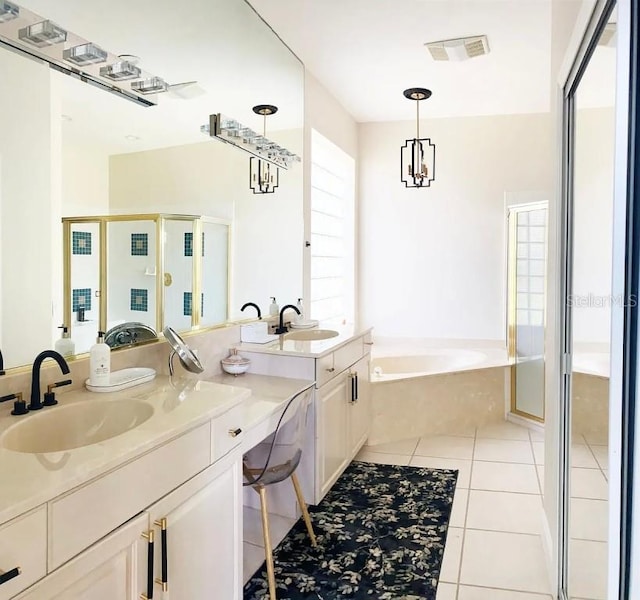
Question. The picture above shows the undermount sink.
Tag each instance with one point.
(312, 334)
(62, 428)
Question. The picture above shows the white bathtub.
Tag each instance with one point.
(429, 362)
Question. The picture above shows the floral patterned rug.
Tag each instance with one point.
(381, 533)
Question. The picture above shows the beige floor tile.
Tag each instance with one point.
(504, 560)
(451, 560)
(536, 436)
(446, 591)
(588, 569)
(503, 431)
(252, 558)
(475, 593)
(602, 456)
(504, 477)
(588, 483)
(597, 439)
(511, 451)
(446, 446)
(589, 519)
(399, 447)
(252, 527)
(459, 510)
(538, 452)
(504, 511)
(463, 466)
(540, 471)
(578, 438)
(382, 458)
(582, 457)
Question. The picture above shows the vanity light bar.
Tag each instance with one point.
(233, 132)
(8, 11)
(85, 54)
(120, 71)
(155, 85)
(45, 33)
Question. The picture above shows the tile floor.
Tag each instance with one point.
(494, 546)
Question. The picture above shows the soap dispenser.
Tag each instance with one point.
(274, 309)
(65, 345)
(100, 362)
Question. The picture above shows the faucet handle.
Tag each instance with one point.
(19, 406)
(50, 397)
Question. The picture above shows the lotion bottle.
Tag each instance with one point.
(300, 307)
(65, 345)
(274, 309)
(99, 362)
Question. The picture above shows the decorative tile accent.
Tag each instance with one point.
(81, 298)
(139, 300)
(188, 244)
(139, 244)
(187, 301)
(81, 242)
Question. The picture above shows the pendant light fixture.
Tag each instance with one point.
(264, 177)
(417, 156)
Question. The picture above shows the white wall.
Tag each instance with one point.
(433, 260)
(29, 209)
(593, 213)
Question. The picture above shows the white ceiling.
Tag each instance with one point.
(366, 52)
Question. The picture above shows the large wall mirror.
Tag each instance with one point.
(69, 149)
(590, 303)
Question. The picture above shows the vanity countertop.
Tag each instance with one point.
(28, 480)
(309, 348)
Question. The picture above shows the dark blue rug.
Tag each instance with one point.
(381, 533)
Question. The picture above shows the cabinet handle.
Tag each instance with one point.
(356, 385)
(9, 575)
(235, 432)
(164, 581)
(354, 388)
(149, 536)
(368, 343)
(331, 369)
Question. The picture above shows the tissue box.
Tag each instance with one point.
(256, 333)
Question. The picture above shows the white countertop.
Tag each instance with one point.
(29, 480)
(308, 348)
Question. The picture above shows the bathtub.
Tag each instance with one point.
(431, 362)
(421, 388)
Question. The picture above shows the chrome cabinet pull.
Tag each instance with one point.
(9, 575)
(149, 536)
(235, 432)
(164, 579)
(331, 369)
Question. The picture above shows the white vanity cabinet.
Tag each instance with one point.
(93, 543)
(343, 405)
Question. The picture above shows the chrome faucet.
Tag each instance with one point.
(281, 328)
(247, 304)
(36, 402)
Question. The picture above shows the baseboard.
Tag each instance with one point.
(528, 423)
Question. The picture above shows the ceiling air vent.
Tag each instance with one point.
(459, 49)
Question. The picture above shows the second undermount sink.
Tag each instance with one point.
(62, 428)
(311, 334)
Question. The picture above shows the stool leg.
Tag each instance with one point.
(267, 542)
(303, 508)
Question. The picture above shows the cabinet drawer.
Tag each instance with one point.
(348, 354)
(325, 370)
(23, 545)
(224, 432)
(88, 513)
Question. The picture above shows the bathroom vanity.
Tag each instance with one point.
(146, 510)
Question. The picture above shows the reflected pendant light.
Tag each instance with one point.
(264, 177)
(417, 156)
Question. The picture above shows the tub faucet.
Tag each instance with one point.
(247, 304)
(282, 329)
(36, 402)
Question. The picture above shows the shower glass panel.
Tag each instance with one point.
(527, 268)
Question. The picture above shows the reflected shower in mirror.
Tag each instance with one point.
(590, 304)
(69, 149)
